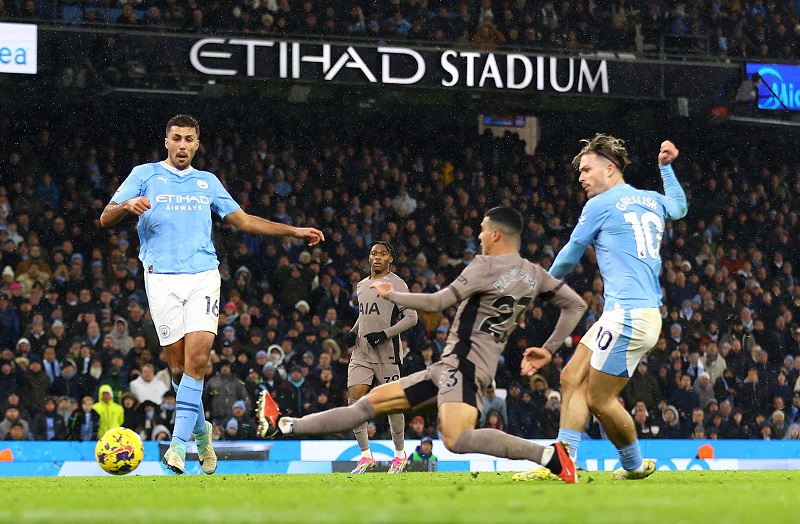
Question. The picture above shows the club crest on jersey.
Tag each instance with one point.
(164, 331)
(368, 309)
(202, 184)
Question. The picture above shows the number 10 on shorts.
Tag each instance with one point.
(604, 338)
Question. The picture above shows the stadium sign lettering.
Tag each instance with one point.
(516, 63)
(18, 48)
(778, 87)
(397, 65)
(16, 56)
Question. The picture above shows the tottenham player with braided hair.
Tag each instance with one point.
(376, 355)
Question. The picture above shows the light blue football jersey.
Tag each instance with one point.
(175, 233)
(625, 225)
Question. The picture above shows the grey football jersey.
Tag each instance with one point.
(494, 291)
(378, 314)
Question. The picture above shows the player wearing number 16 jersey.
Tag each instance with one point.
(493, 292)
(174, 202)
(625, 226)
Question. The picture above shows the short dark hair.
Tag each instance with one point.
(387, 245)
(183, 121)
(507, 218)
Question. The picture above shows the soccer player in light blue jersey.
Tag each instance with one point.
(625, 226)
(174, 202)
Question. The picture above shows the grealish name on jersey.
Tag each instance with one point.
(368, 309)
(646, 201)
(514, 275)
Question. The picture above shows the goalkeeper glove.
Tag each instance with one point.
(375, 338)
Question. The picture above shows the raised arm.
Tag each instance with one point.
(675, 201)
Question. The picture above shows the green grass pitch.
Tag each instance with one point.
(672, 497)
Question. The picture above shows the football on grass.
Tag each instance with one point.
(119, 451)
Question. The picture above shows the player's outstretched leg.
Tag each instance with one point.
(554, 457)
(397, 425)
(544, 473)
(560, 467)
(334, 420)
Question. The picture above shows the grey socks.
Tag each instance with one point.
(497, 443)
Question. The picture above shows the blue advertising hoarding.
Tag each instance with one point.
(46, 459)
(779, 88)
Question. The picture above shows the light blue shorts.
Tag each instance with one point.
(621, 337)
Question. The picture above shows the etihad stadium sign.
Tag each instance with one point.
(387, 65)
(399, 65)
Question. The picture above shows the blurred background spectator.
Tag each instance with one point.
(756, 30)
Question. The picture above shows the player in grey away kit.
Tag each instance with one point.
(494, 291)
(376, 355)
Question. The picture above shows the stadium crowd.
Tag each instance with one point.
(754, 29)
(79, 353)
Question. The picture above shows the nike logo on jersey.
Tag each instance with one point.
(368, 309)
(163, 179)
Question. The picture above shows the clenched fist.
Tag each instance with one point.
(668, 153)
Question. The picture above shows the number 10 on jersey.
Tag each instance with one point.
(648, 241)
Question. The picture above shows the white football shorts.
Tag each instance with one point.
(183, 303)
(621, 337)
